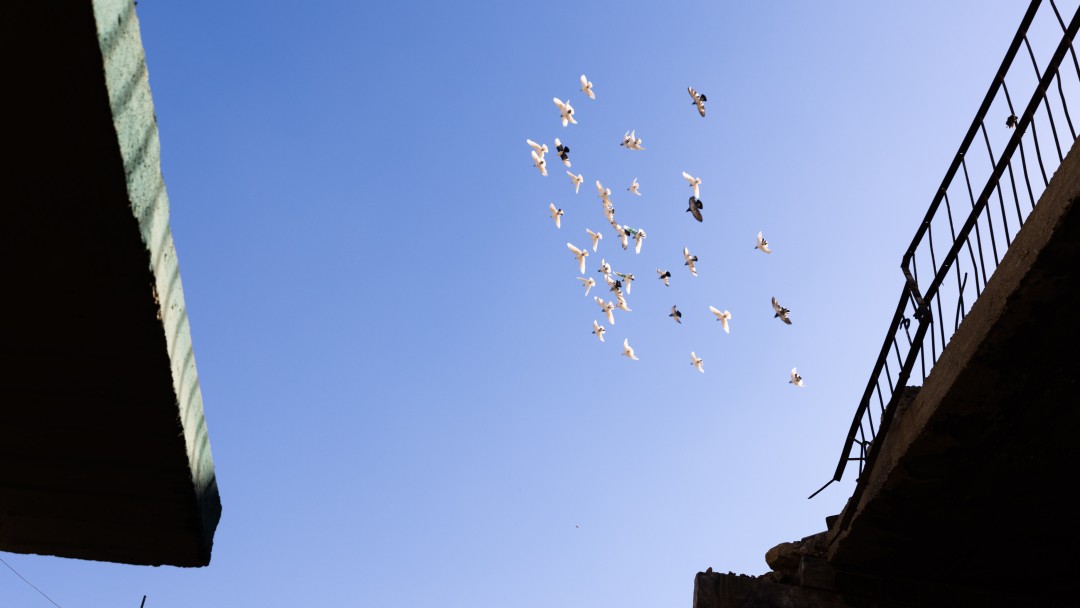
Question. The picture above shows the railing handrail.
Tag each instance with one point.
(911, 293)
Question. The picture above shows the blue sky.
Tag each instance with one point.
(404, 400)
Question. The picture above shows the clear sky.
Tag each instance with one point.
(405, 404)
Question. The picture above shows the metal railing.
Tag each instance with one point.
(977, 226)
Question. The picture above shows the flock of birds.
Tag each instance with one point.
(620, 284)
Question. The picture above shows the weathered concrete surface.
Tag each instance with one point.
(104, 452)
(973, 482)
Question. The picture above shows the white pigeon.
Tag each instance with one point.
(589, 283)
(634, 187)
(580, 254)
(624, 236)
(598, 330)
(628, 279)
(603, 193)
(566, 110)
(781, 312)
(577, 179)
(796, 379)
(586, 87)
(607, 307)
(541, 149)
(620, 302)
(696, 362)
(638, 237)
(690, 260)
(596, 238)
(695, 183)
(539, 163)
(605, 268)
(699, 100)
(723, 316)
(627, 351)
(631, 141)
(664, 276)
(556, 214)
(762, 244)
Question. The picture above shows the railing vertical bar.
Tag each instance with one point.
(1064, 30)
(978, 234)
(1065, 105)
(1050, 115)
(989, 223)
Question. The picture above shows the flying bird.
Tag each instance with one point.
(699, 100)
(565, 110)
(607, 307)
(632, 141)
(539, 163)
(589, 283)
(603, 193)
(695, 183)
(634, 187)
(620, 302)
(696, 362)
(665, 276)
(586, 87)
(695, 208)
(1010, 122)
(605, 268)
(690, 260)
(638, 237)
(556, 214)
(796, 379)
(628, 278)
(598, 330)
(723, 316)
(624, 236)
(577, 179)
(595, 236)
(762, 244)
(627, 351)
(675, 314)
(580, 254)
(781, 312)
(541, 149)
(563, 151)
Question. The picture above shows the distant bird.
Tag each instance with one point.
(1010, 122)
(723, 316)
(624, 236)
(695, 208)
(556, 214)
(632, 141)
(696, 362)
(580, 254)
(699, 100)
(589, 283)
(628, 279)
(565, 110)
(634, 187)
(675, 314)
(607, 307)
(613, 284)
(605, 268)
(563, 151)
(781, 312)
(695, 183)
(539, 163)
(639, 236)
(796, 379)
(627, 351)
(595, 236)
(541, 149)
(577, 179)
(620, 302)
(586, 87)
(665, 276)
(603, 193)
(762, 244)
(598, 330)
(690, 260)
